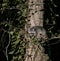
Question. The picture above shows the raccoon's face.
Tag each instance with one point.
(37, 31)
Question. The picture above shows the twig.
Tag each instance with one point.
(54, 38)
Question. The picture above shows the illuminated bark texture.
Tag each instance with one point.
(34, 51)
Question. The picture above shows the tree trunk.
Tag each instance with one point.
(35, 51)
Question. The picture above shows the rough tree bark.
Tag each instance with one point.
(34, 51)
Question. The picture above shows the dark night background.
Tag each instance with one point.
(54, 49)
